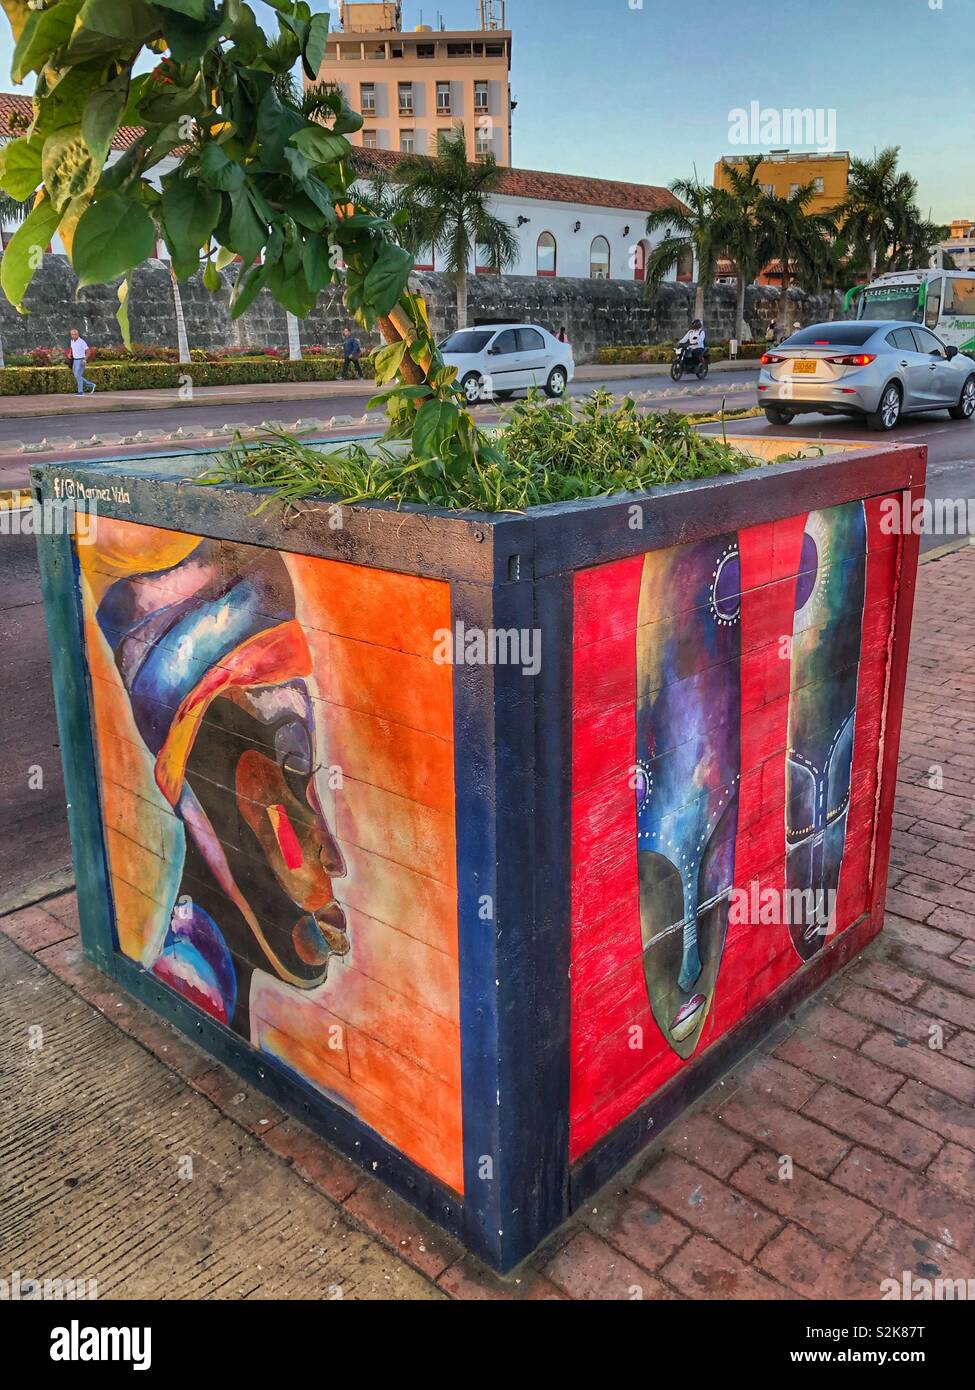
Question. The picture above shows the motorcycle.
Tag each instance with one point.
(681, 366)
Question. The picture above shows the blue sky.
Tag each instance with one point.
(645, 92)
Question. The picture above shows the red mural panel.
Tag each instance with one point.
(726, 695)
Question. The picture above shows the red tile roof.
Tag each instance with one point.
(556, 188)
(22, 109)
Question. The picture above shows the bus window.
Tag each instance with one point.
(932, 305)
(959, 299)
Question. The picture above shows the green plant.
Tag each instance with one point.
(146, 376)
(550, 452)
(263, 173)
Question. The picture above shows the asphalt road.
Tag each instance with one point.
(34, 852)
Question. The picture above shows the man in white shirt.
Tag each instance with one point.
(79, 350)
(696, 340)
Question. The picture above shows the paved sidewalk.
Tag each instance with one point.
(16, 407)
(880, 1124)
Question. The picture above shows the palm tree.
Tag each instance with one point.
(797, 238)
(740, 230)
(446, 198)
(692, 224)
(874, 192)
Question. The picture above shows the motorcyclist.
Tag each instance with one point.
(696, 342)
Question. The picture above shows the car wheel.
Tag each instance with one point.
(888, 412)
(775, 415)
(676, 372)
(557, 382)
(702, 371)
(965, 409)
(473, 387)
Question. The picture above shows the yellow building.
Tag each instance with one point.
(412, 86)
(782, 173)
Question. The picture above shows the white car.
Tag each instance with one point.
(499, 359)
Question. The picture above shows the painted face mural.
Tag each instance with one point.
(826, 645)
(688, 753)
(214, 665)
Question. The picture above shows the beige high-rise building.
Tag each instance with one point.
(413, 86)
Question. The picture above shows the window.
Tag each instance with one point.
(442, 135)
(685, 266)
(367, 97)
(530, 341)
(370, 140)
(407, 141)
(467, 341)
(545, 254)
(819, 186)
(833, 335)
(480, 96)
(599, 259)
(443, 97)
(928, 343)
(932, 304)
(426, 50)
(506, 343)
(959, 299)
(482, 143)
(902, 338)
(640, 260)
(794, 189)
(406, 97)
(424, 258)
(768, 188)
(484, 261)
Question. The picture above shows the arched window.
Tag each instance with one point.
(484, 260)
(546, 254)
(640, 252)
(425, 259)
(685, 266)
(599, 259)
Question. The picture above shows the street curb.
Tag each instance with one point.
(944, 550)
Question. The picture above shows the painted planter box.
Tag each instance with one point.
(483, 844)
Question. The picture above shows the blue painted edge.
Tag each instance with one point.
(60, 589)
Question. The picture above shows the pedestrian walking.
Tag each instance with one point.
(562, 337)
(770, 336)
(351, 352)
(78, 353)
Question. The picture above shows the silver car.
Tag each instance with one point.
(878, 369)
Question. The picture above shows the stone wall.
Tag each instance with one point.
(595, 313)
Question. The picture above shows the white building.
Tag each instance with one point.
(565, 224)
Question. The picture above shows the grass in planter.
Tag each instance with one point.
(546, 451)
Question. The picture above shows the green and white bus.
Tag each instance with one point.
(942, 300)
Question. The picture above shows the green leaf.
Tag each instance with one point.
(290, 288)
(20, 167)
(211, 278)
(104, 110)
(193, 9)
(105, 25)
(320, 145)
(250, 282)
(389, 360)
(161, 104)
(219, 170)
(314, 54)
(429, 428)
(45, 32)
(190, 211)
(189, 41)
(275, 125)
(248, 233)
(123, 311)
(114, 236)
(387, 278)
(69, 167)
(317, 263)
(25, 252)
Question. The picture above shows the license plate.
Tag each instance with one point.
(803, 366)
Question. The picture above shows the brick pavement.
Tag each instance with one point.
(840, 1153)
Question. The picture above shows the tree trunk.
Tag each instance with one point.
(785, 304)
(462, 297)
(181, 339)
(3, 360)
(294, 339)
(699, 301)
(740, 329)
